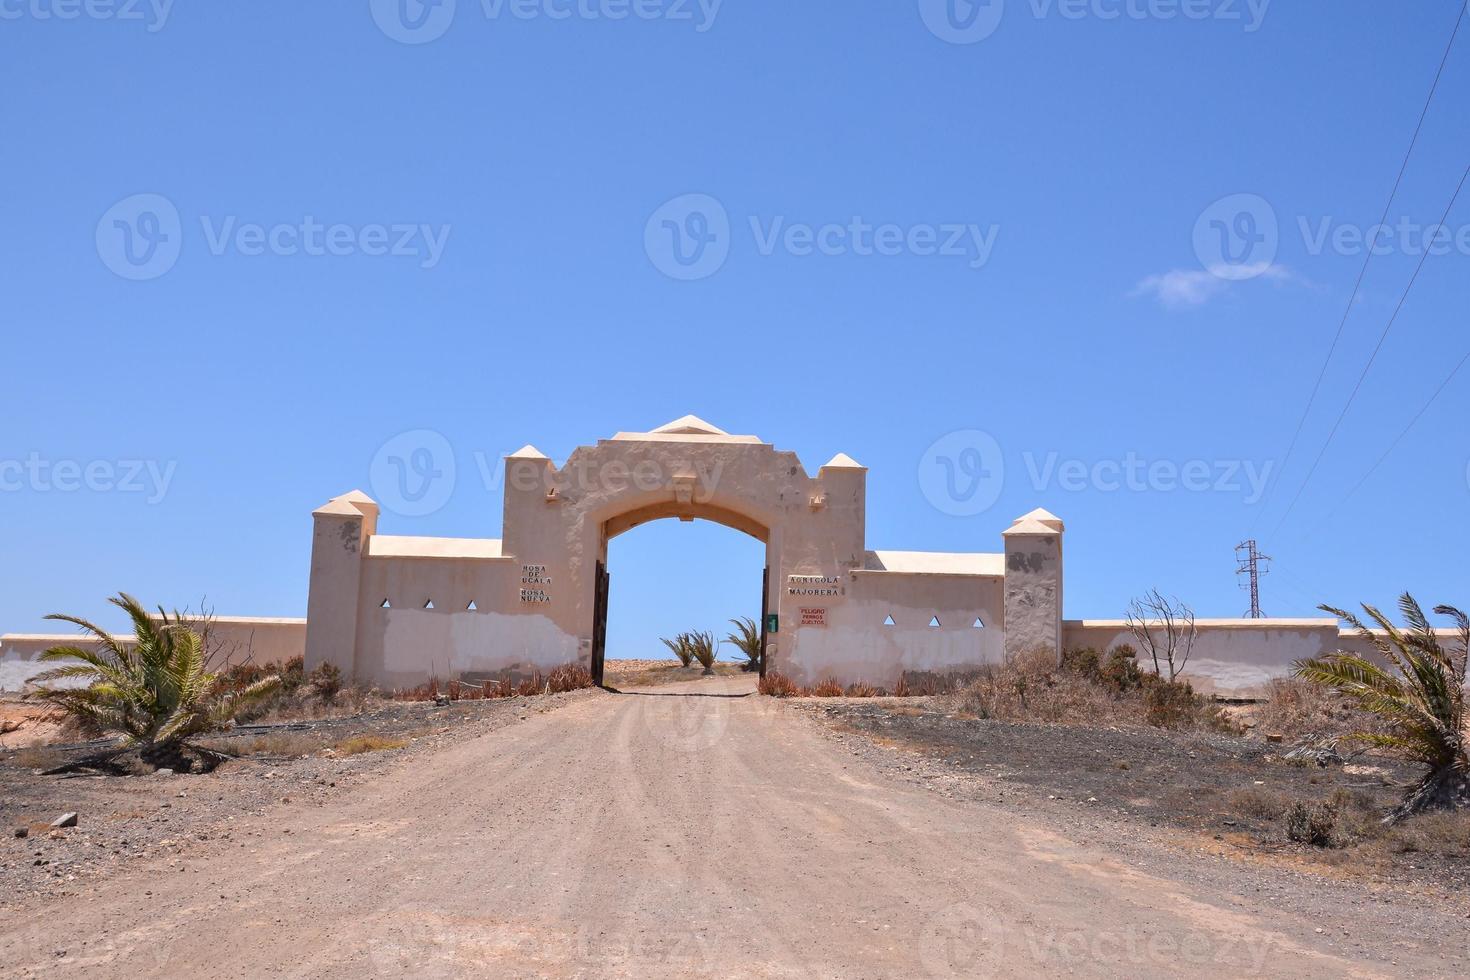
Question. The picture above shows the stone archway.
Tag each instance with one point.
(392, 611)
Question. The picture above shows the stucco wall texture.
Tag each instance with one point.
(394, 611)
(233, 639)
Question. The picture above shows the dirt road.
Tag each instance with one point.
(672, 833)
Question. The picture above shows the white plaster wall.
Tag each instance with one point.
(233, 639)
(855, 646)
(406, 644)
(1230, 659)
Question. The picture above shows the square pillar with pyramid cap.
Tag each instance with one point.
(1033, 584)
(529, 526)
(841, 502)
(340, 532)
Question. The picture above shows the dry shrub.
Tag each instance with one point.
(325, 682)
(289, 745)
(1031, 687)
(1087, 690)
(1260, 802)
(424, 692)
(777, 685)
(861, 690)
(568, 677)
(922, 683)
(1444, 833)
(1312, 823)
(827, 689)
(531, 686)
(1120, 671)
(358, 744)
(1298, 708)
(38, 757)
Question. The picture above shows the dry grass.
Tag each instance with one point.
(358, 744)
(1260, 802)
(38, 757)
(1032, 687)
(568, 677)
(911, 684)
(777, 685)
(289, 745)
(1297, 709)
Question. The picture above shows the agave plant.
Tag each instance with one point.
(154, 690)
(1419, 693)
(747, 640)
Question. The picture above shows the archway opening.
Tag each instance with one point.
(666, 577)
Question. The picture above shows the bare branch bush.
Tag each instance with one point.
(1165, 628)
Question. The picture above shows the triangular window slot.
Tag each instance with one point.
(978, 625)
(888, 621)
(934, 621)
(471, 607)
(385, 604)
(429, 604)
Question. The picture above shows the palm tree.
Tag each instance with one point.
(748, 641)
(702, 646)
(154, 691)
(680, 646)
(1418, 691)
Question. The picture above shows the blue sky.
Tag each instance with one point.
(519, 160)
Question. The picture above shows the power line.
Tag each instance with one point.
(1397, 439)
(1367, 259)
(1372, 357)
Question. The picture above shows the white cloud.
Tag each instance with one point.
(1181, 289)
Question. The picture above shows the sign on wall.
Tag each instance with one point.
(534, 584)
(813, 586)
(814, 616)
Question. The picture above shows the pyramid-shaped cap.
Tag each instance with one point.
(354, 503)
(842, 461)
(1028, 527)
(690, 425)
(1042, 516)
(527, 451)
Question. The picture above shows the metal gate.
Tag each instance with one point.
(765, 613)
(599, 623)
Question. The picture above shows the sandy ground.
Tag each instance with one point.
(697, 829)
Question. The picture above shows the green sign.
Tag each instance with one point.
(773, 623)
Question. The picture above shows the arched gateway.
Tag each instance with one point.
(394, 611)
